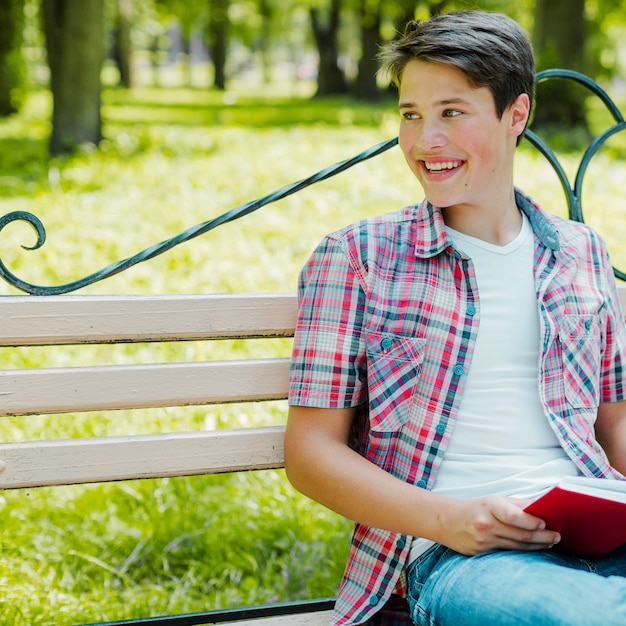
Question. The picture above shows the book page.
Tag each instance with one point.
(599, 487)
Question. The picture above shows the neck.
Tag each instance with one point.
(498, 225)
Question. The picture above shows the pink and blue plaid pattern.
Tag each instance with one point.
(388, 316)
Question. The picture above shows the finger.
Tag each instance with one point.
(511, 542)
(528, 538)
(543, 541)
(509, 513)
(523, 528)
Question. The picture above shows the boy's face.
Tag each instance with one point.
(452, 139)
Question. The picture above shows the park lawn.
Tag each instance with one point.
(172, 159)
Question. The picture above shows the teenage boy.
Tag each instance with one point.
(455, 359)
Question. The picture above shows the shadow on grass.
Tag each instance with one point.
(130, 116)
(189, 108)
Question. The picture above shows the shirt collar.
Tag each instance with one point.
(541, 225)
(432, 237)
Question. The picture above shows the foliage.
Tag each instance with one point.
(12, 80)
(605, 39)
(172, 159)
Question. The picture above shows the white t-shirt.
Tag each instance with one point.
(502, 443)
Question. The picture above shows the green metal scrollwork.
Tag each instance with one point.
(573, 195)
(168, 244)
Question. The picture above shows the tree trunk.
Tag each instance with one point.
(266, 11)
(75, 45)
(366, 86)
(123, 44)
(184, 58)
(11, 23)
(330, 79)
(559, 40)
(218, 40)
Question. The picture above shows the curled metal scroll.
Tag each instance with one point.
(574, 194)
(168, 244)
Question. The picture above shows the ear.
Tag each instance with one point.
(518, 114)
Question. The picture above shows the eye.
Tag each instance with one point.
(410, 116)
(452, 113)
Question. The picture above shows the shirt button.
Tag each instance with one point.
(457, 254)
(458, 370)
(374, 600)
(421, 484)
(587, 324)
(386, 343)
(471, 310)
(401, 543)
(441, 428)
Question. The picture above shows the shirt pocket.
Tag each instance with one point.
(393, 365)
(581, 358)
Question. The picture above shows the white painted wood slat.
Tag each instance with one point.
(100, 388)
(40, 320)
(63, 390)
(94, 460)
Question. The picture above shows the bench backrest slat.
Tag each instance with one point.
(31, 464)
(41, 320)
(63, 320)
(74, 389)
(64, 462)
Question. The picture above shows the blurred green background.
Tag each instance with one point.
(195, 108)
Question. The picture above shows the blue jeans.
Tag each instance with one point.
(507, 588)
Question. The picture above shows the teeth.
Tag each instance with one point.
(437, 167)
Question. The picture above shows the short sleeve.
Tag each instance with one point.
(328, 361)
(613, 379)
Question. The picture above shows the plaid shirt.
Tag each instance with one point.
(388, 317)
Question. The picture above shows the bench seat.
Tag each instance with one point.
(52, 321)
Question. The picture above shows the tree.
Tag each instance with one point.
(191, 18)
(11, 22)
(75, 44)
(218, 40)
(266, 11)
(325, 24)
(370, 23)
(123, 45)
(559, 36)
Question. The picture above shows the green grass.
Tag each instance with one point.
(172, 159)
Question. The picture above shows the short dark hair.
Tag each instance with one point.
(491, 49)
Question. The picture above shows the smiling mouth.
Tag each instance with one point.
(442, 166)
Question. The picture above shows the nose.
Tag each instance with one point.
(431, 134)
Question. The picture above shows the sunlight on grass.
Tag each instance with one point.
(172, 159)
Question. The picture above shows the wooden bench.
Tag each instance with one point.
(53, 321)
(68, 320)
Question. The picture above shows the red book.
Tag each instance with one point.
(590, 514)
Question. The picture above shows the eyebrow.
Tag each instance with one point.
(446, 102)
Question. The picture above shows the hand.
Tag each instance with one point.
(493, 523)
